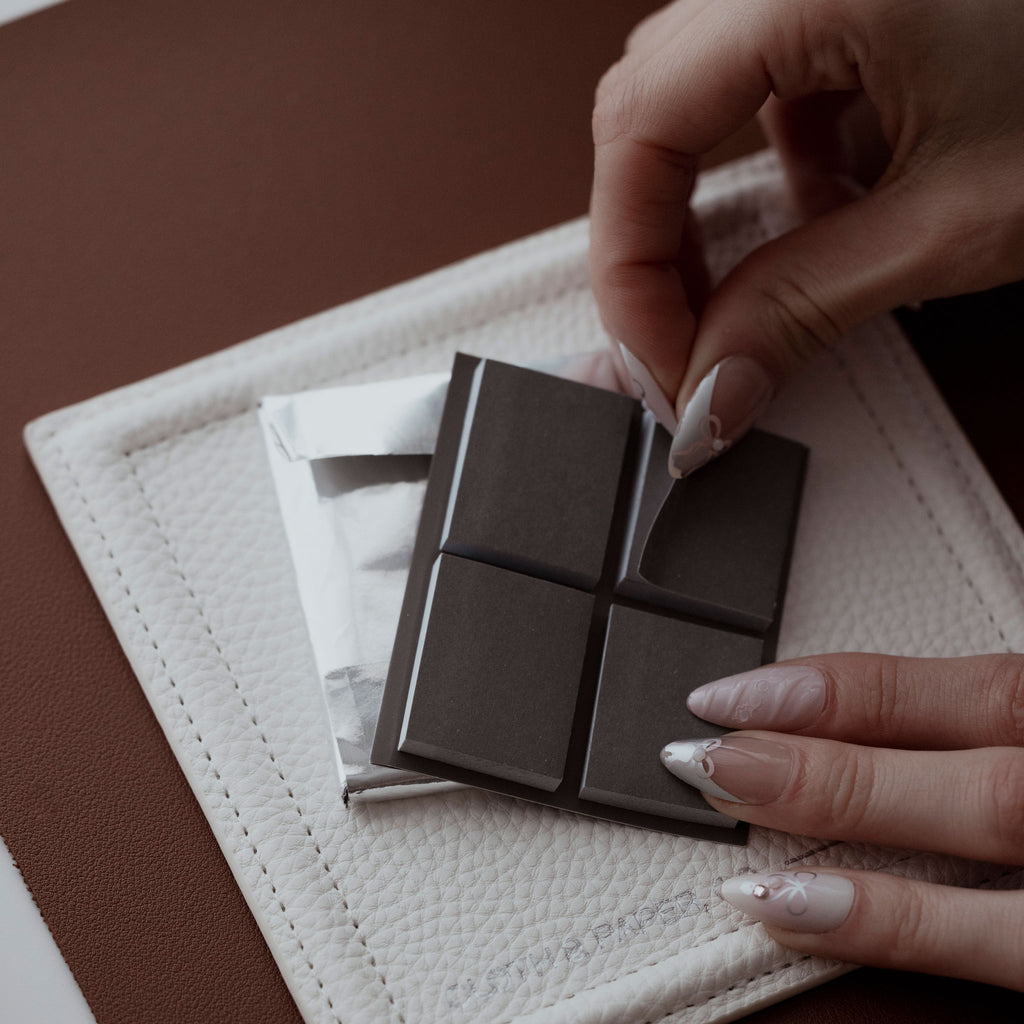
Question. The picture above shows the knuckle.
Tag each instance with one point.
(1004, 687)
(1005, 786)
(832, 796)
(793, 315)
(975, 219)
(617, 283)
(961, 247)
(628, 103)
(971, 238)
(885, 693)
(909, 930)
(607, 85)
(852, 785)
(614, 100)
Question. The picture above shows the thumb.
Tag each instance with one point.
(795, 296)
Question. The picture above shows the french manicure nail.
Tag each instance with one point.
(743, 769)
(802, 901)
(733, 393)
(649, 391)
(781, 697)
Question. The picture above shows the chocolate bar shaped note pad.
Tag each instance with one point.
(566, 595)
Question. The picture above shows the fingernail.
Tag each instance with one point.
(783, 697)
(743, 769)
(647, 389)
(802, 901)
(731, 396)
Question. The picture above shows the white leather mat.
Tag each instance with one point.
(468, 907)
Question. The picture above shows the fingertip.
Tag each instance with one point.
(803, 900)
(725, 404)
(646, 258)
(783, 698)
(890, 922)
(648, 390)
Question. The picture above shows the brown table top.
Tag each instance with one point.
(176, 178)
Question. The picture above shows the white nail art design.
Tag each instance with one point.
(649, 392)
(806, 901)
(698, 430)
(710, 442)
(732, 394)
(691, 761)
(781, 697)
(760, 691)
(791, 888)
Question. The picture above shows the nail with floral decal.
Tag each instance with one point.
(801, 900)
(733, 393)
(647, 389)
(742, 769)
(779, 697)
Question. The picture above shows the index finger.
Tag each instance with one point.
(652, 120)
(654, 117)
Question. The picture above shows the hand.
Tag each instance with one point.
(919, 753)
(944, 80)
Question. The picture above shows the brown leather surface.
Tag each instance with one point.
(176, 178)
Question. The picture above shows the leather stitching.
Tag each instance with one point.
(643, 967)
(733, 988)
(82, 414)
(328, 868)
(785, 966)
(965, 481)
(918, 494)
(418, 344)
(80, 492)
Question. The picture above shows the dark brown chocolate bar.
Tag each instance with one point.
(565, 597)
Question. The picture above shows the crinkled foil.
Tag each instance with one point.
(350, 469)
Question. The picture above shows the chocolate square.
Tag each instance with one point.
(650, 666)
(497, 669)
(537, 474)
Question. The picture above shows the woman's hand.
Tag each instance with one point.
(944, 80)
(919, 753)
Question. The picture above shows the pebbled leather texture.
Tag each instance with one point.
(468, 907)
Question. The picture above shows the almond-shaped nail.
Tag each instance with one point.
(801, 900)
(743, 769)
(779, 697)
(647, 389)
(733, 393)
